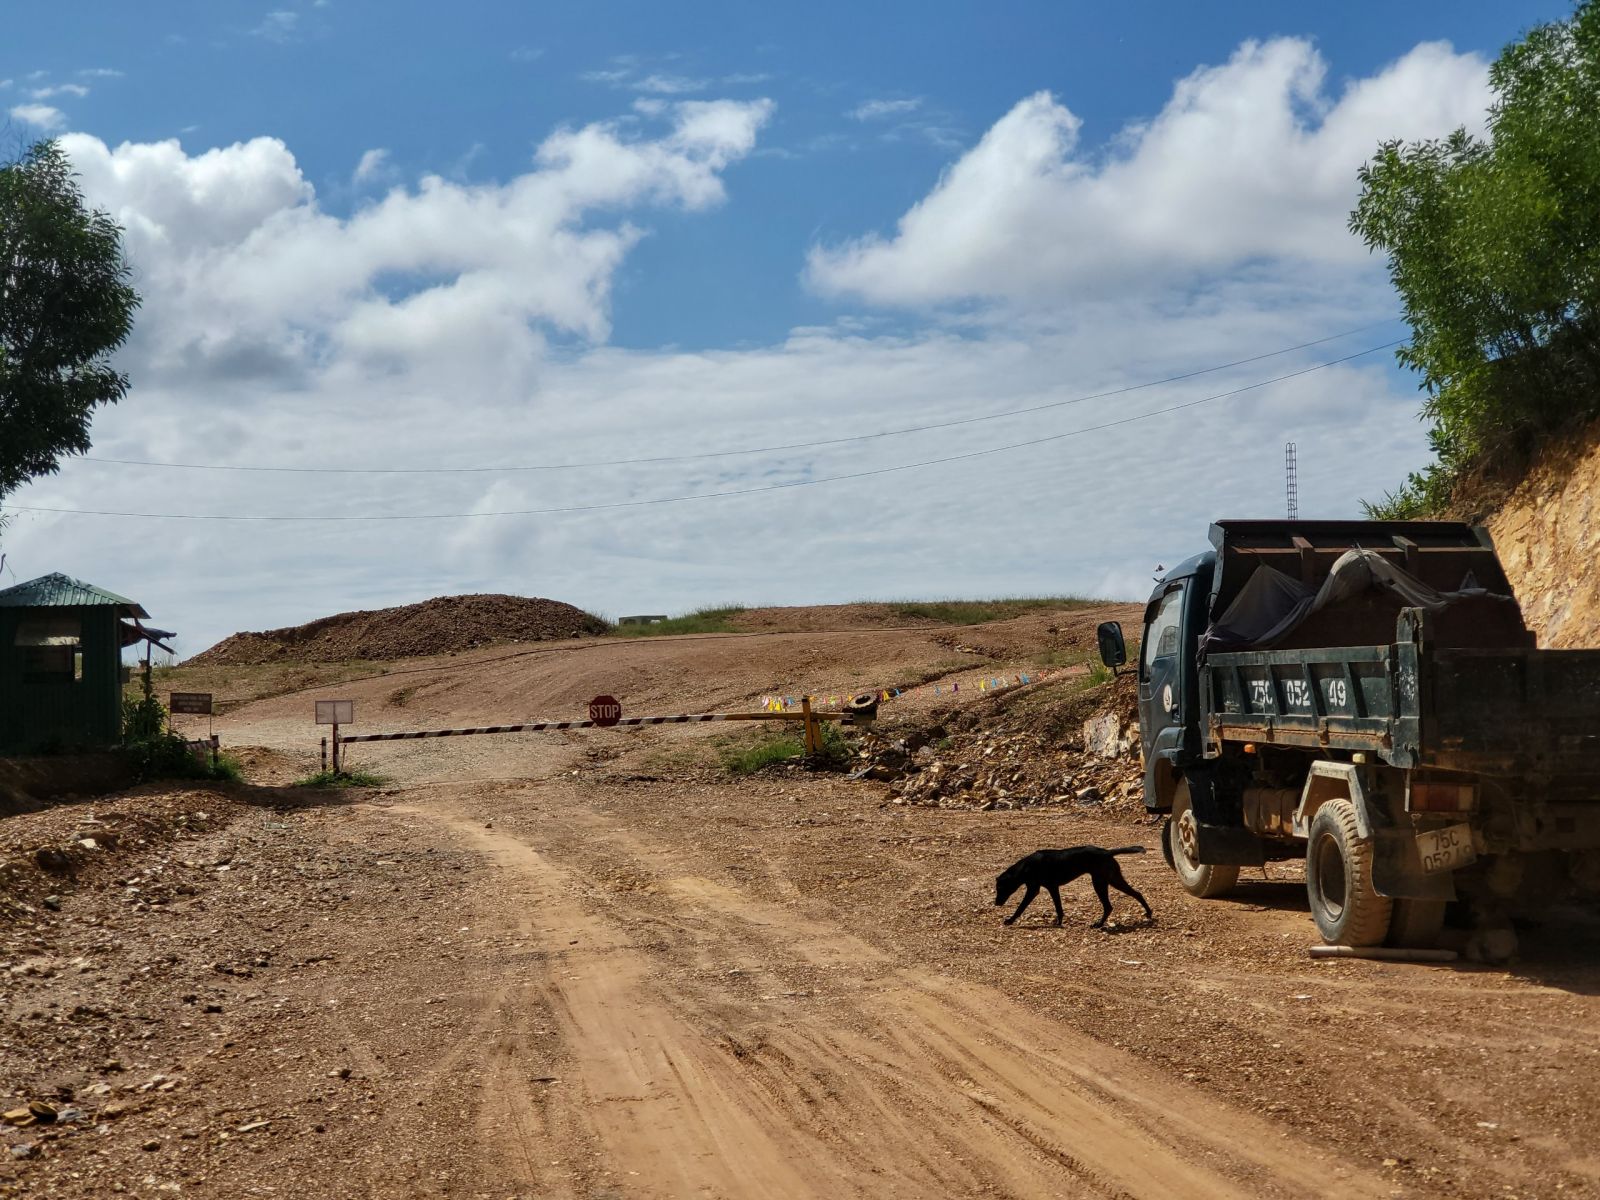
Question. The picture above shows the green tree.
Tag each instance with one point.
(1494, 247)
(65, 306)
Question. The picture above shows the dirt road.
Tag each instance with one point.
(595, 986)
(711, 1042)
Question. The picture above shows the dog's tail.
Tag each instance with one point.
(1127, 850)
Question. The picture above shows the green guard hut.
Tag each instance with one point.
(61, 646)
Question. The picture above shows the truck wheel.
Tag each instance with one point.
(1347, 909)
(1206, 880)
(1415, 924)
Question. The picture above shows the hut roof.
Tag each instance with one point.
(62, 591)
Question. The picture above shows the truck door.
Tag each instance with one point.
(1161, 672)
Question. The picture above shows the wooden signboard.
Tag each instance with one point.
(194, 703)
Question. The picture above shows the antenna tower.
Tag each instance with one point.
(1290, 480)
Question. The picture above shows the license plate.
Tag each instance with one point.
(1446, 849)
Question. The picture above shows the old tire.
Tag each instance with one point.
(1346, 907)
(1206, 880)
(1415, 924)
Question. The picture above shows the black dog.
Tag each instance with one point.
(1054, 869)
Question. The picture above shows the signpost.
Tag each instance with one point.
(196, 704)
(336, 713)
(605, 711)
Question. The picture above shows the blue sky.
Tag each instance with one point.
(734, 224)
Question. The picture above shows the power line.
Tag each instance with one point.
(666, 458)
(749, 491)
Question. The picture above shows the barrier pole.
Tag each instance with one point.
(813, 741)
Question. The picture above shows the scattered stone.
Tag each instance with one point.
(24, 1150)
(150, 1144)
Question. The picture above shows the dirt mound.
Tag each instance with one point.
(1058, 745)
(438, 626)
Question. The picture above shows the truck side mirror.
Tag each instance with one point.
(1113, 650)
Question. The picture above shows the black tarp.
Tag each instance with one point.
(1271, 605)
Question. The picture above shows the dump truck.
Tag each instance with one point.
(1366, 694)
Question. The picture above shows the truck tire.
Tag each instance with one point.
(1206, 880)
(1415, 924)
(1345, 905)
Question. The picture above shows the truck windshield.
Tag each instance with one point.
(1161, 638)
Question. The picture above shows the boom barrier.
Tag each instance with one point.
(861, 711)
(542, 726)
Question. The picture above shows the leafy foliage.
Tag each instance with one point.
(1494, 248)
(65, 306)
(156, 752)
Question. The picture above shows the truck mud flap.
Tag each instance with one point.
(1397, 869)
(1228, 845)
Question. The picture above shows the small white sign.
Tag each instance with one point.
(336, 712)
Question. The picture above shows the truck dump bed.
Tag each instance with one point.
(1456, 685)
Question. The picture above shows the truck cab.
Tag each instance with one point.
(1169, 694)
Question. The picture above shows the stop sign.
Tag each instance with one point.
(604, 710)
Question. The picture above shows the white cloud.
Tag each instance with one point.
(41, 116)
(278, 26)
(527, 54)
(625, 75)
(60, 89)
(874, 110)
(374, 165)
(99, 73)
(1250, 160)
(660, 84)
(5, 83)
(1069, 516)
(244, 274)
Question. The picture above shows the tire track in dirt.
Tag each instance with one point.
(896, 1082)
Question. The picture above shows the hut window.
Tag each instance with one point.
(52, 649)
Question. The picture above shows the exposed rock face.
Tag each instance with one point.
(1548, 537)
(1109, 736)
